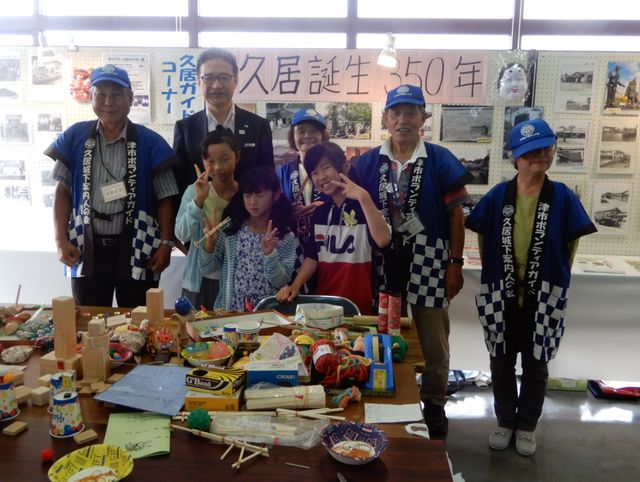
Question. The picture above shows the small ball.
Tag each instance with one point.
(183, 306)
(46, 455)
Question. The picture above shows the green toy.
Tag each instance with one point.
(199, 419)
(399, 347)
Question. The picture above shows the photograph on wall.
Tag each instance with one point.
(80, 83)
(572, 145)
(513, 116)
(574, 89)
(47, 127)
(618, 146)
(466, 124)
(46, 177)
(14, 127)
(279, 115)
(10, 78)
(426, 131)
(622, 87)
(47, 74)
(248, 106)
(138, 67)
(353, 153)
(15, 193)
(13, 170)
(347, 120)
(610, 207)
(476, 159)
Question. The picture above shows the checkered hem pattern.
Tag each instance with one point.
(76, 237)
(426, 286)
(490, 305)
(552, 302)
(146, 239)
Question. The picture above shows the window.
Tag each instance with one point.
(264, 8)
(17, 9)
(581, 42)
(273, 40)
(436, 42)
(433, 9)
(16, 40)
(581, 10)
(105, 38)
(114, 8)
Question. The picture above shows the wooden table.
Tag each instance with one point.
(407, 457)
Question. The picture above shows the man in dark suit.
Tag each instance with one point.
(217, 78)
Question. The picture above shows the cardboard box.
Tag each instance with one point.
(277, 372)
(215, 380)
(196, 399)
(203, 330)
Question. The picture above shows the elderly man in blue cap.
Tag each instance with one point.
(113, 212)
(420, 189)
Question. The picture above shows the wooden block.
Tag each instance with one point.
(138, 314)
(22, 393)
(99, 341)
(44, 380)
(114, 378)
(40, 396)
(116, 320)
(85, 436)
(17, 377)
(99, 387)
(155, 305)
(51, 363)
(84, 391)
(96, 363)
(87, 381)
(97, 327)
(64, 325)
(16, 428)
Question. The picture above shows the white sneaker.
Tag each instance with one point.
(525, 443)
(500, 438)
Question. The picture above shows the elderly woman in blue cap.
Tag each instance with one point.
(528, 231)
(308, 128)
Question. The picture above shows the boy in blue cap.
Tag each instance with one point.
(113, 213)
(420, 189)
(528, 230)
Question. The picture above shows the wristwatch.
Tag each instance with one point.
(168, 242)
(454, 260)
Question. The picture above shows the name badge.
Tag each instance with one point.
(411, 227)
(249, 144)
(114, 191)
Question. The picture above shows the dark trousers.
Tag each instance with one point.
(518, 410)
(206, 296)
(98, 289)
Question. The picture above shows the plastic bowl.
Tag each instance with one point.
(354, 443)
(198, 353)
(118, 354)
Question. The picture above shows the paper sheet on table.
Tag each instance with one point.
(391, 413)
(141, 434)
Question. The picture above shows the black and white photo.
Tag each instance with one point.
(466, 124)
(610, 207)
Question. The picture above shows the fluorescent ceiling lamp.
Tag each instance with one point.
(387, 57)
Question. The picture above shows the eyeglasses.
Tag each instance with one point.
(210, 79)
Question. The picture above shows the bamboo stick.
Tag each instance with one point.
(221, 439)
(246, 459)
(217, 227)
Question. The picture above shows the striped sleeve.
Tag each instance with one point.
(279, 265)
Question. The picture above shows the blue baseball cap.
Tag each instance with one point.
(530, 135)
(405, 94)
(110, 73)
(309, 115)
